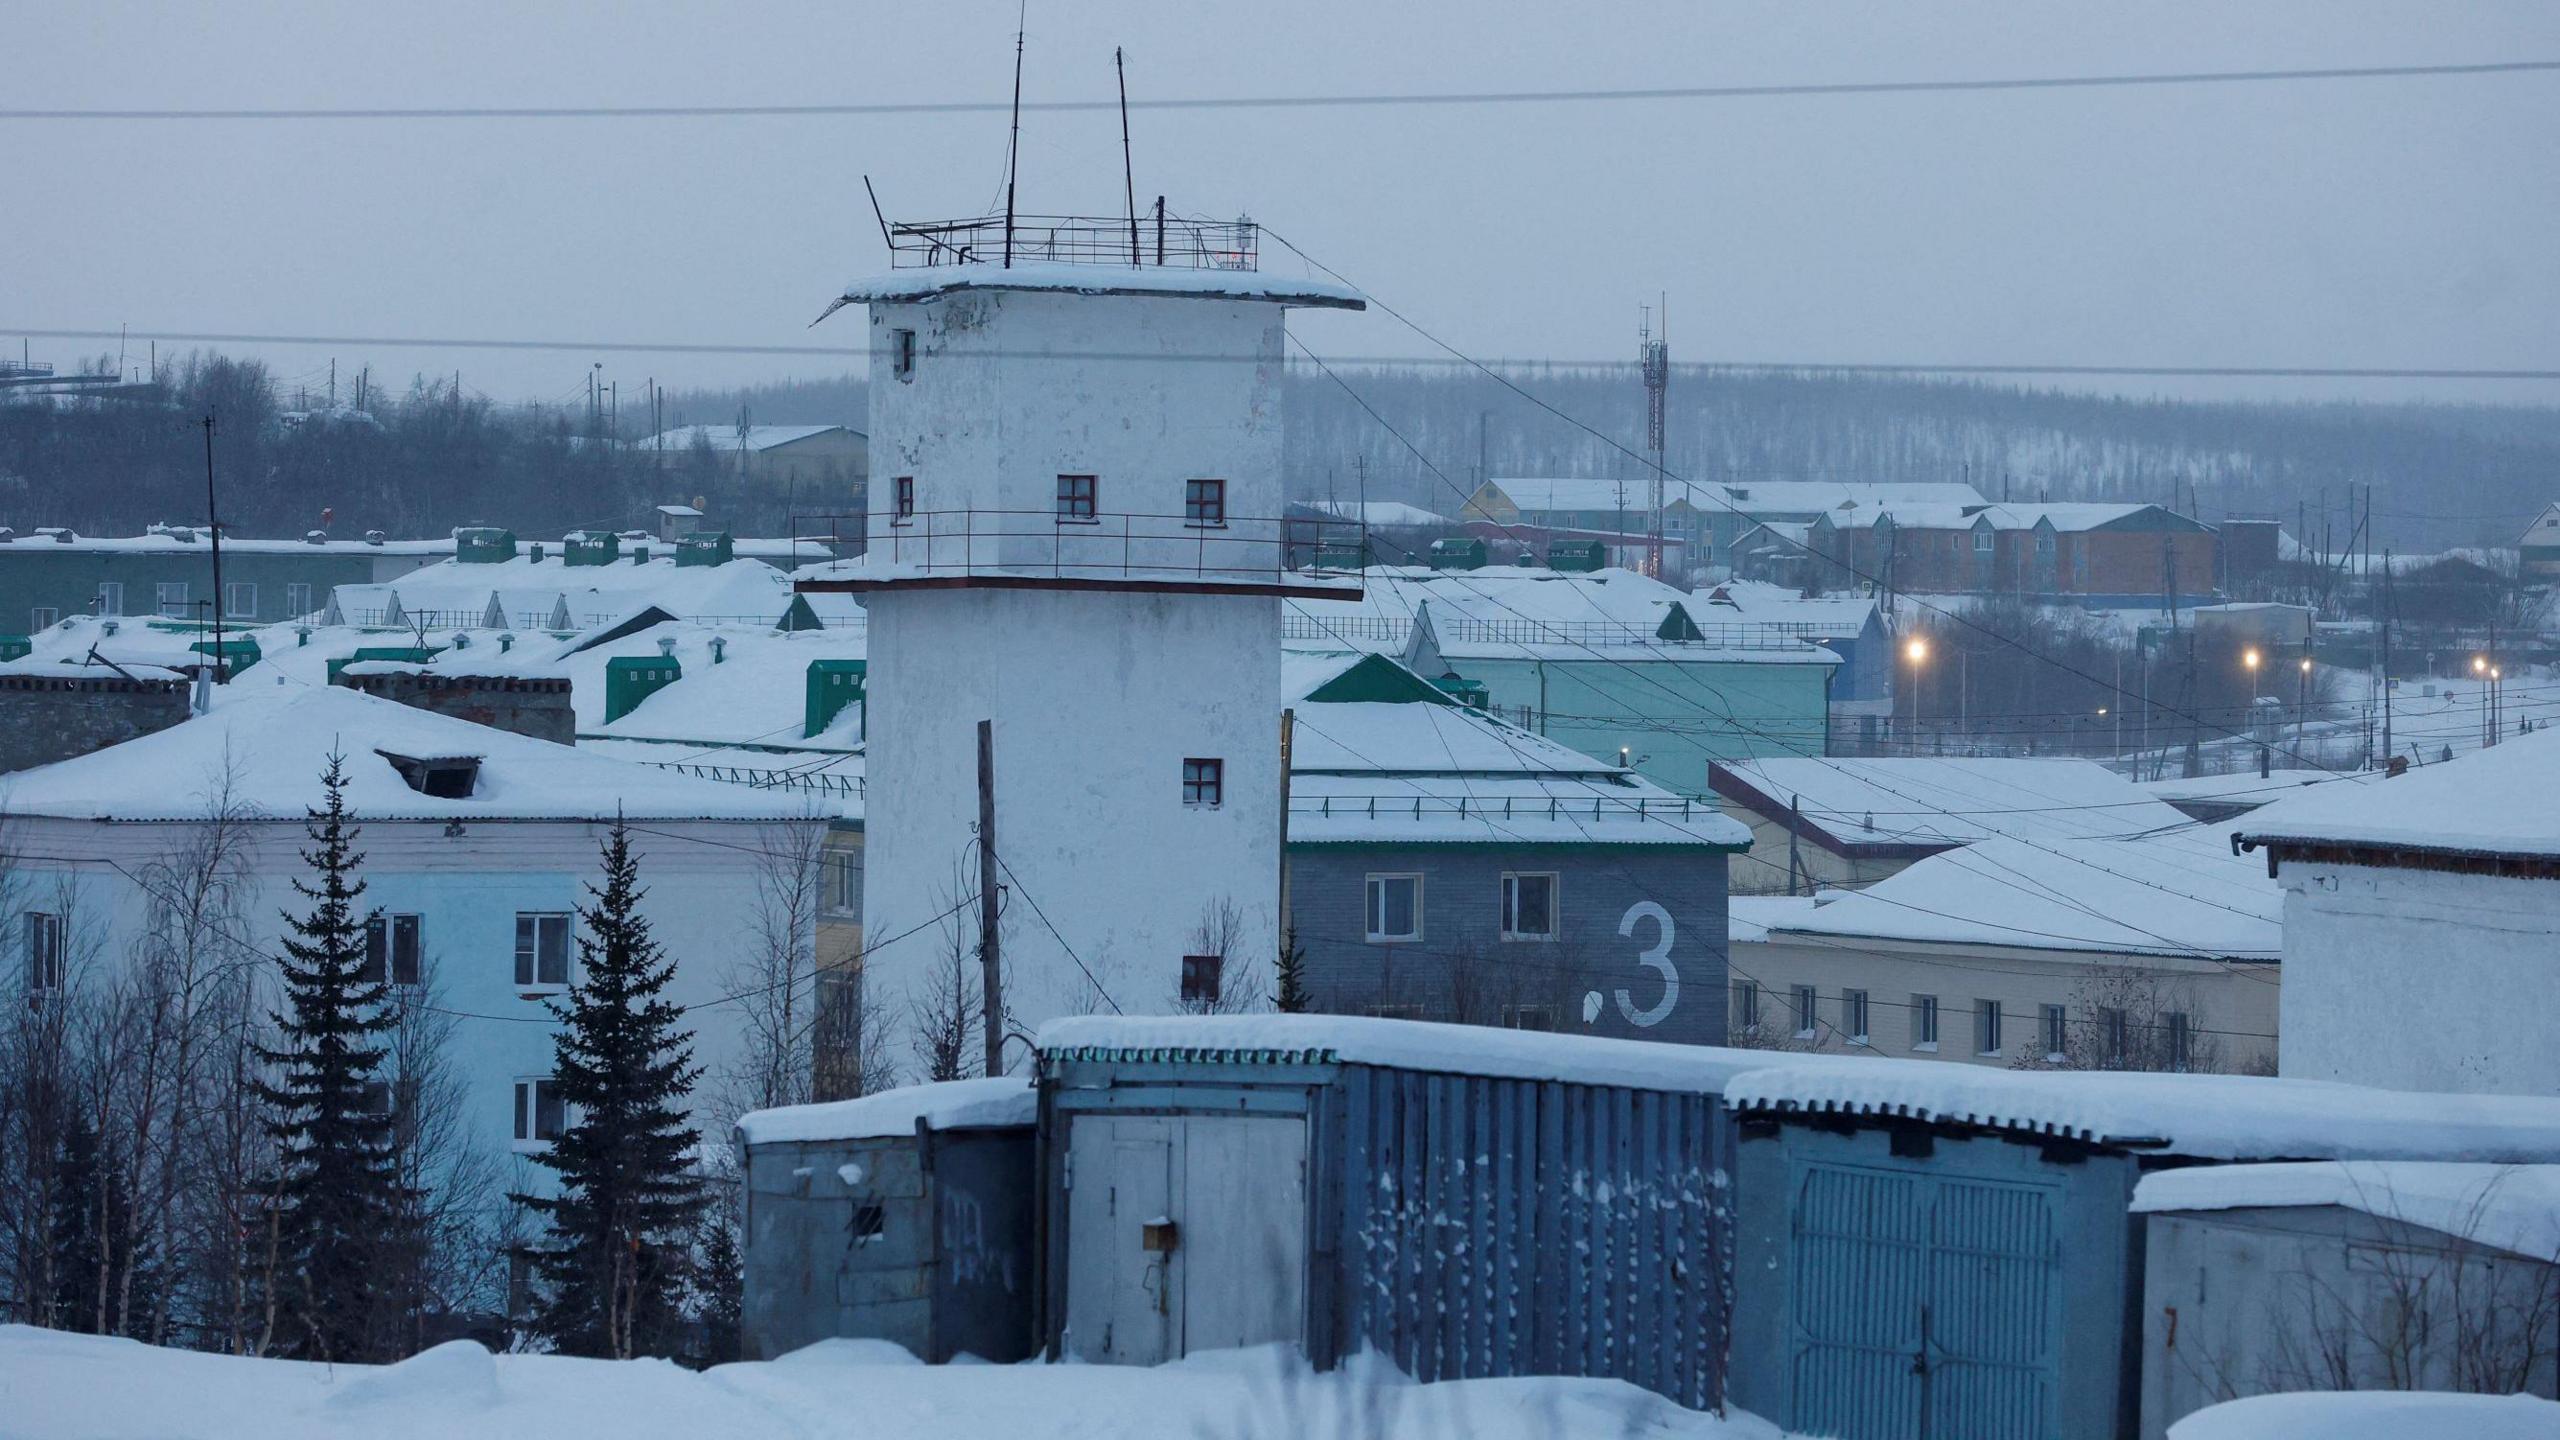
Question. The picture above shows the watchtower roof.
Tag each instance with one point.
(1086, 255)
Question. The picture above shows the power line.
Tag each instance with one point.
(1308, 102)
(1402, 362)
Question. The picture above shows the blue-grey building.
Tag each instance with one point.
(1446, 865)
(53, 573)
(1466, 1203)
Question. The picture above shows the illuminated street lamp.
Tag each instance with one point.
(1915, 650)
(2249, 659)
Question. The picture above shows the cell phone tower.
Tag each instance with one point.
(1654, 352)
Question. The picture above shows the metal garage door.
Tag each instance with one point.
(1922, 1307)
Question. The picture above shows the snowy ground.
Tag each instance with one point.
(55, 1386)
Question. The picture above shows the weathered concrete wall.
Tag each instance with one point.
(44, 718)
(533, 706)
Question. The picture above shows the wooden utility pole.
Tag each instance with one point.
(1288, 739)
(213, 533)
(990, 962)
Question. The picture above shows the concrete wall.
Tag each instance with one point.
(1673, 716)
(1764, 870)
(2421, 980)
(1463, 970)
(44, 719)
(538, 707)
(2233, 1008)
(2254, 1302)
(1097, 699)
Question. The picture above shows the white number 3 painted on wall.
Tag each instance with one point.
(1657, 959)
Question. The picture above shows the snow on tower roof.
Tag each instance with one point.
(2513, 1207)
(933, 281)
(277, 738)
(948, 1105)
(2490, 803)
(1928, 804)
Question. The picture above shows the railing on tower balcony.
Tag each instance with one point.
(1151, 239)
(1109, 545)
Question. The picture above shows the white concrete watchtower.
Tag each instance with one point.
(1076, 530)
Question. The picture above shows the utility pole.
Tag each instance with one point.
(990, 960)
(1288, 739)
(213, 532)
(1655, 352)
(1795, 823)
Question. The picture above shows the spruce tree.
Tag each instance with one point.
(615, 1266)
(1293, 999)
(339, 1191)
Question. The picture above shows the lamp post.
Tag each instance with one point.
(2480, 667)
(1915, 650)
(2302, 702)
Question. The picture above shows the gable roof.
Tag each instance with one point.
(728, 438)
(1758, 499)
(2513, 1207)
(2489, 805)
(1919, 805)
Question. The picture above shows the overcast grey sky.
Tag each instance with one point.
(2399, 222)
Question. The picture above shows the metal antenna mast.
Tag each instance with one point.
(1655, 353)
(1013, 146)
(1128, 167)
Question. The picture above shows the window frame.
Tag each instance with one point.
(1854, 1008)
(1204, 509)
(41, 618)
(1983, 541)
(110, 589)
(47, 968)
(2053, 1024)
(529, 981)
(1511, 907)
(1513, 1017)
(1987, 1018)
(1742, 1008)
(1202, 976)
(297, 599)
(2181, 1028)
(382, 966)
(902, 500)
(161, 601)
(1373, 910)
(526, 1113)
(232, 592)
(902, 354)
(2114, 1032)
(1806, 1002)
(1924, 1023)
(1204, 782)
(843, 871)
(1079, 499)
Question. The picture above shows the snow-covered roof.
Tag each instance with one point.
(2216, 1117)
(1750, 918)
(82, 667)
(1410, 1045)
(2067, 516)
(2372, 1415)
(1369, 739)
(2491, 802)
(2173, 895)
(2248, 786)
(731, 439)
(188, 540)
(531, 594)
(1379, 514)
(949, 1105)
(1934, 802)
(1518, 612)
(1544, 493)
(1835, 616)
(2513, 1207)
(276, 739)
(926, 282)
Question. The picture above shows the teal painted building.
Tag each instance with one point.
(51, 574)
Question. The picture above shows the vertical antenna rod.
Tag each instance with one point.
(213, 532)
(1656, 355)
(1013, 147)
(1128, 168)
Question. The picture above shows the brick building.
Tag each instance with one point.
(2091, 553)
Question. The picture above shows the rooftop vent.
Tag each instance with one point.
(447, 777)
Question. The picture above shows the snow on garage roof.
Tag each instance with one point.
(929, 282)
(2219, 1117)
(1933, 803)
(949, 1105)
(2477, 805)
(2513, 1207)
(278, 737)
(2372, 1415)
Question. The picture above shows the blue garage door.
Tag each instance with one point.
(1923, 1307)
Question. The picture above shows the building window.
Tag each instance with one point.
(870, 1222)
(1200, 977)
(391, 950)
(1204, 783)
(1986, 1027)
(903, 493)
(2044, 543)
(1204, 502)
(171, 598)
(2056, 1032)
(1982, 542)
(1529, 1017)
(844, 884)
(542, 951)
(1924, 1022)
(1075, 498)
(44, 952)
(111, 597)
(1805, 1003)
(240, 600)
(1745, 1019)
(1853, 1015)
(2182, 1040)
(1395, 907)
(297, 598)
(540, 1115)
(42, 617)
(1528, 907)
(519, 1284)
(902, 354)
(2111, 1034)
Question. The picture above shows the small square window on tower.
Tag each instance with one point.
(1075, 497)
(1204, 503)
(1200, 980)
(902, 354)
(1204, 783)
(903, 496)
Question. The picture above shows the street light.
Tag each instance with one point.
(1915, 650)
